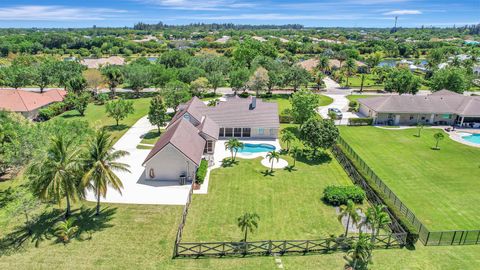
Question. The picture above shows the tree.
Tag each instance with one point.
(272, 156)
(138, 77)
(350, 68)
(215, 79)
(419, 129)
(378, 219)
(101, 162)
(294, 152)
(94, 78)
(438, 137)
(304, 105)
(287, 137)
(157, 115)
(276, 75)
(65, 230)
(44, 73)
(17, 75)
(360, 253)
(76, 84)
(162, 75)
(319, 76)
(190, 73)
(239, 79)
(174, 93)
(323, 64)
(258, 81)
(54, 175)
(297, 76)
(80, 101)
(119, 109)
(349, 211)
(248, 222)
(453, 79)
(114, 77)
(65, 70)
(402, 81)
(319, 133)
(374, 59)
(233, 145)
(199, 86)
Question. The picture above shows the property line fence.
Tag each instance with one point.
(429, 238)
(178, 237)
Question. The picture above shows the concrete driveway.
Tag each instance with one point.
(340, 102)
(137, 190)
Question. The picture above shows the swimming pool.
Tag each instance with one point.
(249, 148)
(473, 138)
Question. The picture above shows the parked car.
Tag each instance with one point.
(338, 114)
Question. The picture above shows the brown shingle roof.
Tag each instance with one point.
(195, 107)
(209, 127)
(183, 136)
(26, 101)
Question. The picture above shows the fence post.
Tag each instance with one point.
(478, 237)
(269, 251)
(453, 238)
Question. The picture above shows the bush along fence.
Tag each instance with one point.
(378, 192)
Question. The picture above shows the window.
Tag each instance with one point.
(272, 132)
(246, 132)
(151, 173)
(186, 116)
(423, 117)
(411, 117)
(261, 131)
(228, 132)
(390, 116)
(221, 132)
(208, 147)
(237, 132)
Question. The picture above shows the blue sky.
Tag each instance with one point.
(358, 13)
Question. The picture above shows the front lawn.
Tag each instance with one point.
(283, 101)
(440, 187)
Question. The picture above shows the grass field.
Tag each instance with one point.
(440, 187)
(97, 117)
(152, 136)
(283, 101)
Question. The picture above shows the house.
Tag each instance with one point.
(196, 127)
(28, 103)
(440, 108)
(99, 62)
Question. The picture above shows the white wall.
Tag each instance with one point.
(169, 164)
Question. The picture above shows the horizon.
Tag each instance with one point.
(310, 14)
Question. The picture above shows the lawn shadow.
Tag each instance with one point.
(290, 168)
(153, 134)
(309, 159)
(120, 127)
(228, 162)
(267, 172)
(88, 222)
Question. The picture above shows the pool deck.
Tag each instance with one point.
(459, 133)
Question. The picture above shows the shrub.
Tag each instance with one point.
(338, 195)
(201, 172)
(244, 94)
(286, 116)
(51, 111)
(353, 106)
(102, 98)
(367, 121)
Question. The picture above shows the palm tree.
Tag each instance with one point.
(66, 230)
(53, 177)
(294, 153)
(360, 253)
(114, 77)
(287, 137)
(101, 162)
(419, 128)
(438, 137)
(319, 79)
(349, 211)
(248, 222)
(350, 68)
(233, 145)
(323, 64)
(272, 156)
(378, 219)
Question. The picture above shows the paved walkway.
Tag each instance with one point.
(137, 190)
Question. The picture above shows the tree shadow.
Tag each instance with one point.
(268, 173)
(88, 222)
(290, 168)
(228, 162)
(153, 134)
(115, 127)
(318, 159)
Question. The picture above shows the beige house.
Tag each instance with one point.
(195, 128)
(440, 108)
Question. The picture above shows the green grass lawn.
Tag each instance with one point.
(440, 187)
(97, 117)
(356, 97)
(283, 101)
(152, 136)
(369, 82)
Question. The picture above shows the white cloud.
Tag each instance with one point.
(199, 4)
(56, 13)
(273, 16)
(403, 12)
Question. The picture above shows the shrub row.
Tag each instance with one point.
(367, 121)
(286, 116)
(201, 172)
(51, 111)
(339, 195)
(412, 236)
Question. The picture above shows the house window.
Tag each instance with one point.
(151, 173)
(390, 116)
(208, 147)
(423, 117)
(261, 131)
(272, 131)
(228, 132)
(237, 132)
(411, 117)
(221, 133)
(186, 116)
(246, 132)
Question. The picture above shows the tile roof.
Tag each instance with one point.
(443, 101)
(26, 101)
(183, 136)
(195, 107)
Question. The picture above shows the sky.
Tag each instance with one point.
(343, 13)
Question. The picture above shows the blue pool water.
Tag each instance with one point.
(474, 138)
(256, 148)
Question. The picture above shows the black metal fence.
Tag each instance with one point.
(428, 238)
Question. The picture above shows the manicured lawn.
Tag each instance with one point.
(283, 101)
(368, 83)
(440, 187)
(356, 97)
(97, 117)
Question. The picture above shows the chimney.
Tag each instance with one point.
(253, 104)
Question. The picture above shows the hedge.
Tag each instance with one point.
(201, 172)
(52, 110)
(339, 195)
(286, 116)
(244, 94)
(367, 121)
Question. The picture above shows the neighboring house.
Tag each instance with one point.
(28, 103)
(196, 127)
(99, 62)
(440, 108)
(312, 63)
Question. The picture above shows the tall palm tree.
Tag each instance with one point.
(114, 77)
(100, 162)
(350, 68)
(323, 64)
(294, 152)
(319, 79)
(378, 219)
(248, 222)
(287, 137)
(272, 156)
(349, 211)
(233, 145)
(360, 253)
(53, 176)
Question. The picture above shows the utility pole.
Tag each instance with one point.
(396, 18)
